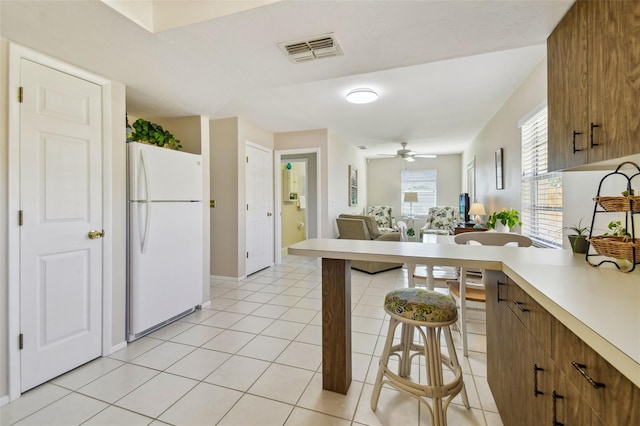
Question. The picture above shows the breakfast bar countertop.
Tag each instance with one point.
(599, 305)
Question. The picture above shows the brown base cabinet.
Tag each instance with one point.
(540, 373)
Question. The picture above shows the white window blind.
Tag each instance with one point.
(424, 182)
(541, 191)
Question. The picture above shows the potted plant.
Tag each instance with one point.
(617, 230)
(152, 133)
(578, 240)
(505, 219)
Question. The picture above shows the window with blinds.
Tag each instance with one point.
(541, 214)
(424, 182)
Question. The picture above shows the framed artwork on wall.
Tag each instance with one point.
(499, 169)
(353, 186)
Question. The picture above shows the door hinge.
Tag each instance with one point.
(20, 92)
(21, 341)
(247, 158)
(20, 218)
(247, 207)
(247, 255)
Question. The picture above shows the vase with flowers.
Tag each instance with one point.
(503, 220)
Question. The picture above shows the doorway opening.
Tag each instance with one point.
(297, 198)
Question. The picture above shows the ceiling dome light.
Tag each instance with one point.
(361, 96)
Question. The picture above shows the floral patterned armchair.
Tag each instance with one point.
(384, 218)
(441, 220)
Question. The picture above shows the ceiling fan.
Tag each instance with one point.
(407, 154)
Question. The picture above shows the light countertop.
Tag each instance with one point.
(600, 305)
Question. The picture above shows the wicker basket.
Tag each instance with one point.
(619, 204)
(616, 247)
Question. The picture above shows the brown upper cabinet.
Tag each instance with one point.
(593, 60)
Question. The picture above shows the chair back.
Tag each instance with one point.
(493, 239)
(402, 227)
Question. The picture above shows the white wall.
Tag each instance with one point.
(341, 155)
(502, 131)
(384, 181)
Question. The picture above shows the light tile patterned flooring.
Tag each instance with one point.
(253, 357)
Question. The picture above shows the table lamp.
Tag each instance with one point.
(477, 209)
(411, 197)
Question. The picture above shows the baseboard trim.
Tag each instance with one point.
(219, 277)
(4, 400)
(205, 304)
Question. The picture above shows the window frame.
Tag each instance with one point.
(426, 187)
(540, 190)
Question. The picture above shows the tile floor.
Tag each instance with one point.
(253, 357)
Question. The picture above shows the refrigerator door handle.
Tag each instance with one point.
(145, 172)
(147, 224)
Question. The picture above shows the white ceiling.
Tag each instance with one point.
(442, 68)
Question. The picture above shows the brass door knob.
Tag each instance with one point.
(96, 234)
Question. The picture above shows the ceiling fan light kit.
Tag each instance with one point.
(362, 96)
(407, 154)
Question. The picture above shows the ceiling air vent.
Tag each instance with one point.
(311, 48)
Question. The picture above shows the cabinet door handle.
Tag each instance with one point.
(574, 141)
(555, 397)
(498, 293)
(520, 306)
(593, 126)
(536, 392)
(581, 369)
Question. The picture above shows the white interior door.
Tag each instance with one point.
(259, 195)
(61, 201)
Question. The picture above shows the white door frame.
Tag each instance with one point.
(277, 182)
(16, 54)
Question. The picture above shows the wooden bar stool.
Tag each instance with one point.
(432, 314)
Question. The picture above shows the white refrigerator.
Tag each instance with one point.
(165, 265)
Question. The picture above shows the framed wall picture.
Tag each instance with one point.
(499, 169)
(353, 186)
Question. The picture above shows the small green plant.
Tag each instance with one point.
(506, 217)
(411, 232)
(631, 192)
(578, 239)
(146, 131)
(579, 230)
(617, 230)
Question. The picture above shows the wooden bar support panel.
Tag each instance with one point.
(336, 325)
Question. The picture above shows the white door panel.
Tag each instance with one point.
(61, 200)
(259, 220)
(162, 174)
(159, 286)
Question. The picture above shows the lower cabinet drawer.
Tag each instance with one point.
(611, 395)
(534, 317)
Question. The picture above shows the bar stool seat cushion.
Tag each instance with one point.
(421, 305)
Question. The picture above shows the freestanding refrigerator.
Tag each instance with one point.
(165, 263)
